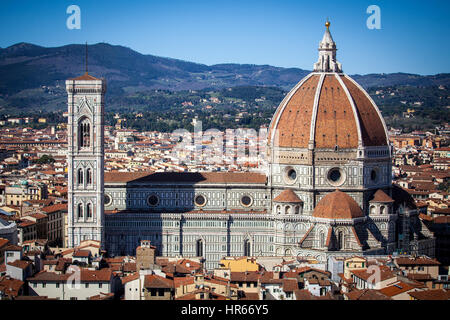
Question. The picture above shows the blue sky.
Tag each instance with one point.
(282, 33)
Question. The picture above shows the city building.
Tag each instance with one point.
(327, 190)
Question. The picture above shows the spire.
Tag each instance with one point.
(86, 57)
(327, 53)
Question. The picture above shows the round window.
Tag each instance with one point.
(335, 176)
(290, 175)
(200, 200)
(107, 200)
(153, 200)
(246, 201)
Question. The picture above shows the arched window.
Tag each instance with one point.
(340, 240)
(80, 176)
(287, 210)
(89, 176)
(297, 210)
(84, 133)
(322, 239)
(382, 210)
(80, 211)
(199, 249)
(278, 209)
(372, 209)
(89, 210)
(247, 248)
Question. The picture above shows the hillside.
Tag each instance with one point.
(32, 77)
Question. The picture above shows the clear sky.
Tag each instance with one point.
(413, 36)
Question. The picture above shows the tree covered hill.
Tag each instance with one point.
(32, 78)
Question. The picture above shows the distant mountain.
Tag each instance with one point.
(25, 68)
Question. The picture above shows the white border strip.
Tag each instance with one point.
(374, 104)
(315, 108)
(283, 105)
(355, 114)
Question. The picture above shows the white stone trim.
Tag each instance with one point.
(283, 105)
(374, 105)
(316, 107)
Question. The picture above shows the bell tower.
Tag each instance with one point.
(86, 103)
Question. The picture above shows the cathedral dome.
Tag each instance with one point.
(327, 110)
(337, 205)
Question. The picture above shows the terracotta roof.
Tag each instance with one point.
(337, 205)
(250, 296)
(421, 261)
(10, 287)
(82, 253)
(381, 196)
(385, 273)
(439, 294)
(183, 281)
(55, 208)
(396, 289)
(26, 223)
(85, 76)
(372, 129)
(366, 294)
(248, 276)
(129, 267)
(304, 295)
(12, 247)
(288, 196)
(155, 281)
(21, 264)
(102, 275)
(335, 121)
(186, 177)
(306, 235)
(102, 296)
(290, 285)
(3, 242)
(293, 117)
(129, 278)
(420, 276)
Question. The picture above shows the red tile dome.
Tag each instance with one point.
(327, 109)
(337, 205)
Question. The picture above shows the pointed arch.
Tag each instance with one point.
(84, 133)
(80, 211)
(200, 247)
(89, 176)
(80, 176)
(89, 209)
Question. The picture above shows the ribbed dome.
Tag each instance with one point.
(331, 110)
(337, 205)
(288, 196)
(327, 109)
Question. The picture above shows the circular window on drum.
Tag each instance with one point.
(336, 176)
(290, 175)
(107, 200)
(200, 200)
(246, 200)
(153, 200)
